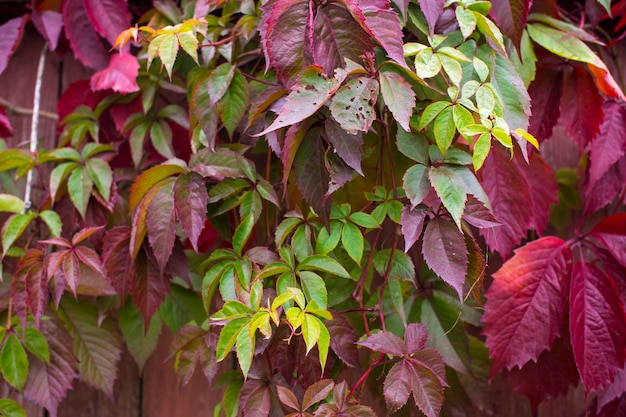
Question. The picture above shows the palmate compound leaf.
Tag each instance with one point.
(527, 303)
(116, 259)
(445, 252)
(97, 345)
(597, 326)
(48, 383)
(511, 15)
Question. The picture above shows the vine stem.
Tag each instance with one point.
(363, 377)
(23, 111)
(34, 126)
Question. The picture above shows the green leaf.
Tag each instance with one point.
(314, 288)
(352, 105)
(144, 182)
(58, 175)
(364, 220)
(481, 150)
(168, 49)
(462, 117)
(413, 145)
(245, 349)
(14, 362)
(444, 129)
(430, 112)
(97, 343)
(137, 137)
(402, 267)
(232, 106)
(467, 21)
(141, 342)
(36, 343)
(416, 184)
(101, 175)
(79, 187)
(352, 241)
(14, 227)
(323, 263)
(232, 393)
(323, 343)
(11, 203)
(310, 331)
(161, 137)
(10, 408)
(228, 336)
(450, 189)
(491, 32)
(326, 242)
(242, 233)
(189, 42)
(453, 69)
(53, 221)
(427, 63)
(219, 81)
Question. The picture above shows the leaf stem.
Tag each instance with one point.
(363, 377)
(35, 124)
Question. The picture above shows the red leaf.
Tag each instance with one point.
(76, 94)
(511, 15)
(545, 92)
(116, 259)
(445, 252)
(382, 23)
(161, 224)
(613, 391)
(191, 197)
(611, 231)
(49, 24)
(48, 383)
(543, 188)
(120, 76)
(108, 17)
(255, 399)
(547, 378)
(6, 130)
(581, 105)
(89, 257)
(476, 214)
(607, 188)
(527, 303)
(71, 271)
(616, 408)
(432, 10)
(149, 287)
(610, 145)
(343, 340)
(83, 38)
(10, 36)
(29, 286)
(597, 326)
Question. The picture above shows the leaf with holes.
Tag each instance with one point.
(352, 106)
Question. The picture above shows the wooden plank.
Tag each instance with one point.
(161, 394)
(87, 401)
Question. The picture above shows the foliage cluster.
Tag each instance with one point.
(322, 189)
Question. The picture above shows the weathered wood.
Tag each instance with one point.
(162, 396)
(84, 400)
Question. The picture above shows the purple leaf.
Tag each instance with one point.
(10, 36)
(161, 224)
(544, 92)
(511, 15)
(597, 326)
(317, 392)
(83, 38)
(49, 25)
(48, 383)
(432, 9)
(415, 337)
(427, 381)
(108, 17)
(336, 37)
(149, 287)
(611, 231)
(348, 147)
(255, 398)
(120, 76)
(383, 342)
(116, 259)
(382, 23)
(613, 391)
(527, 303)
(397, 386)
(412, 222)
(286, 33)
(607, 188)
(476, 214)
(343, 340)
(610, 144)
(29, 286)
(445, 252)
(191, 199)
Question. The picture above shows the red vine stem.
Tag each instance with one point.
(363, 377)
